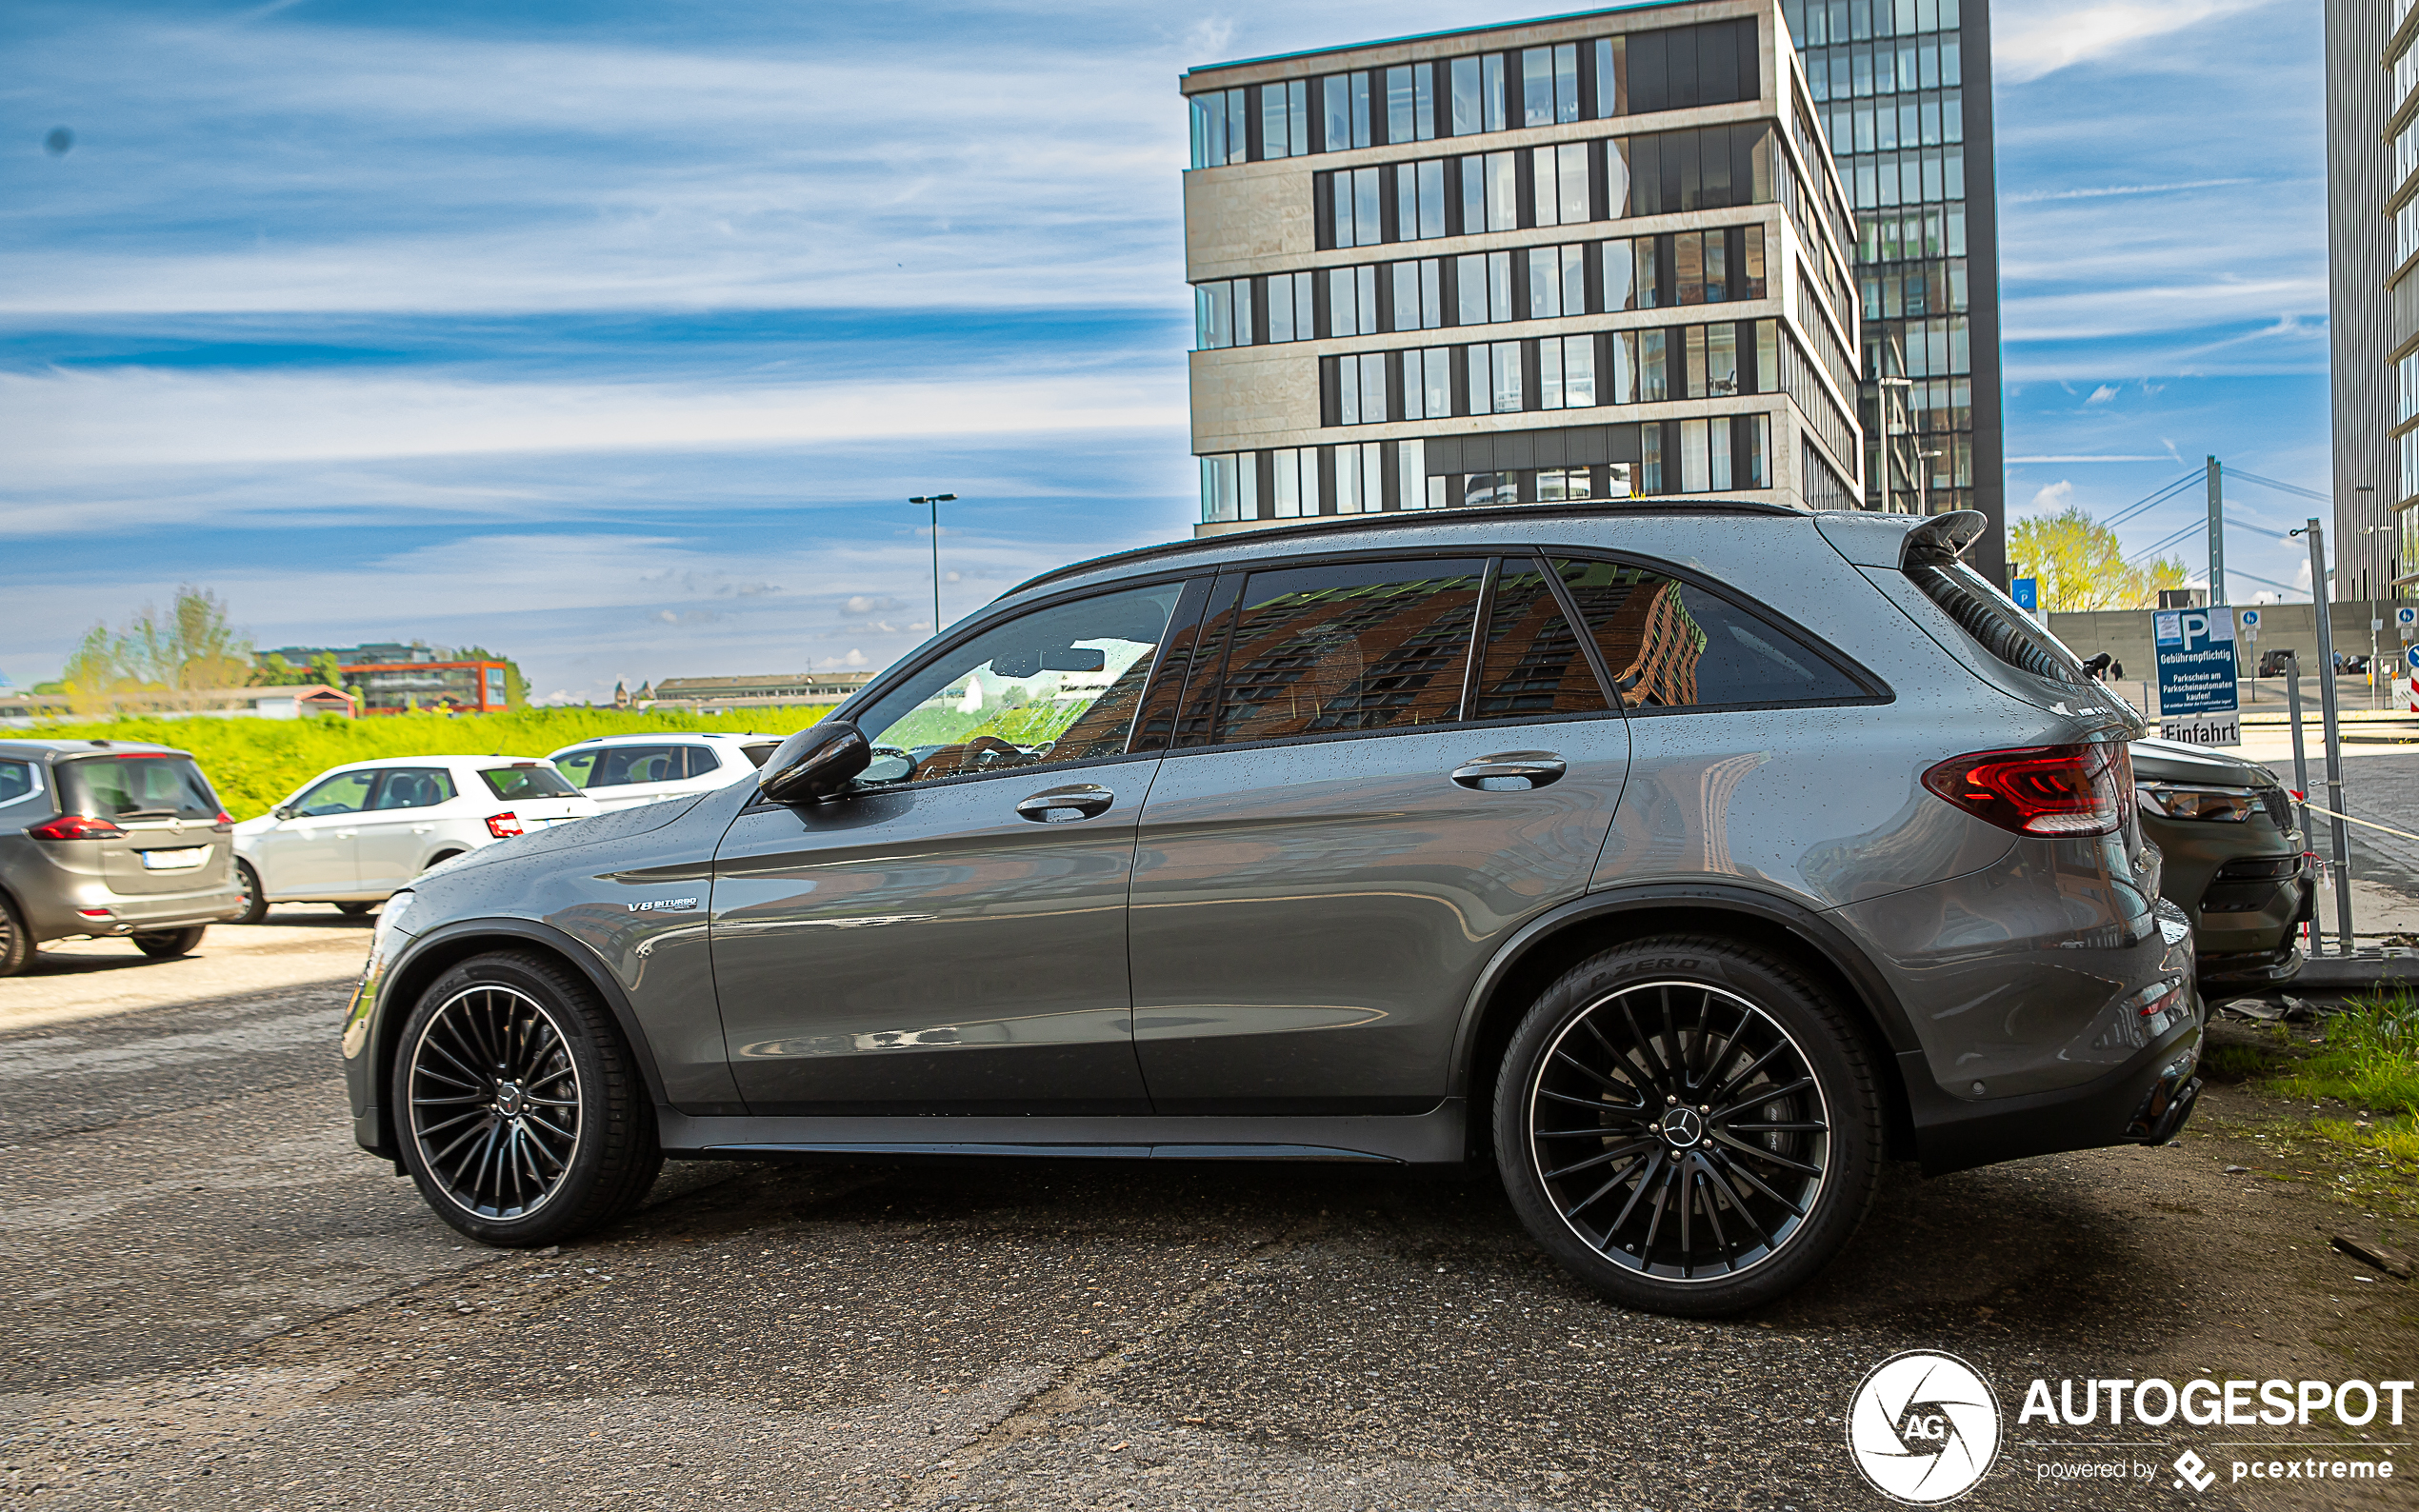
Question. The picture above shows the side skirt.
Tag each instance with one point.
(1433, 1137)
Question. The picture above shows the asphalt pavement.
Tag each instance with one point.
(216, 1301)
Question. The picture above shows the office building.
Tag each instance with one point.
(769, 690)
(1603, 255)
(1903, 91)
(2373, 297)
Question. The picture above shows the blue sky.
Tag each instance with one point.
(614, 336)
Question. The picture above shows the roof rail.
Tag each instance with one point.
(1414, 519)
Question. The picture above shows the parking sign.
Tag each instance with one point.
(2197, 695)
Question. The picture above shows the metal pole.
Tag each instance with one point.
(2301, 780)
(2217, 534)
(2334, 736)
(936, 565)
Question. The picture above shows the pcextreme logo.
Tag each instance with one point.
(1924, 1427)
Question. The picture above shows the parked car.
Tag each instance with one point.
(353, 834)
(621, 771)
(1686, 861)
(2234, 861)
(2271, 663)
(111, 838)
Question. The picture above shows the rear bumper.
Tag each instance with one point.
(59, 915)
(2144, 1102)
(2250, 968)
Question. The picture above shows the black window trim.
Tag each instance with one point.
(1854, 670)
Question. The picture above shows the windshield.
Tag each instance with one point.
(136, 787)
(526, 779)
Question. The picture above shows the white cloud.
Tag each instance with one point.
(2102, 394)
(854, 658)
(2052, 498)
(2030, 40)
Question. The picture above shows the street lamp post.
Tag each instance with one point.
(935, 501)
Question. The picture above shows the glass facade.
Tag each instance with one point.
(1903, 88)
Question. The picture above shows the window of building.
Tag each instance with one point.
(1344, 103)
(1495, 377)
(1559, 180)
(1230, 488)
(1428, 382)
(1290, 307)
(1419, 295)
(1360, 478)
(1557, 282)
(1221, 313)
(1352, 301)
(1295, 483)
(1360, 388)
(1478, 95)
(1490, 197)
(1219, 133)
(1565, 372)
(1348, 646)
(1419, 199)
(1357, 220)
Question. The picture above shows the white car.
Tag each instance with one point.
(354, 834)
(622, 771)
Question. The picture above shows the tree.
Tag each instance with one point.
(191, 646)
(2080, 566)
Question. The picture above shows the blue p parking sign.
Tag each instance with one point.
(2197, 672)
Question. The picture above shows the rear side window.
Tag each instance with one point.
(758, 752)
(1348, 646)
(528, 780)
(1994, 622)
(17, 783)
(136, 787)
(1533, 663)
(415, 787)
(1671, 644)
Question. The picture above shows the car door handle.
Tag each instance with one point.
(1061, 806)
(1503, 771)
(422, 829)
(345, 834)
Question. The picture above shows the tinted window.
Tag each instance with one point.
(1057, 685)
(704, 761)
(138, 788)
(415, 787)
(1994, 622)
(1533, 664)
(1672, 644)
(345, 793)
(528, 780)
(17, 782)
(1348, 646)
(757, 752)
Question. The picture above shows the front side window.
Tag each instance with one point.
(621, 766)
(1345, 647)
(415, 787)
(345, 793)
(1672, 644)
(1059, 684)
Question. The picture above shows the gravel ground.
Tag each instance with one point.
(216, 1301)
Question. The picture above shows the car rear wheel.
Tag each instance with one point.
(521, 1114)
(16, 942)
(255, 902)
(1690, 1125)
(160, 944)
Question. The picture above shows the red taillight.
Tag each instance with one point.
(77, 827)
(503, 826)
(2044, 790)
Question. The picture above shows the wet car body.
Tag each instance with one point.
(1320, 948)
(2233, 859)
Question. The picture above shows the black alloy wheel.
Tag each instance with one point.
(247, 883)
(518, 1110)
(16, 940)
(1689, 1126)
(163, 944)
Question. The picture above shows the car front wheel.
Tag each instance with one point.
(521, 1114)
(1688, 1124)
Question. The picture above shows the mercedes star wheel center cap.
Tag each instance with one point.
(508, 1099)
(1683, 1127)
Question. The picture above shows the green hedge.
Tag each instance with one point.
(255, 764)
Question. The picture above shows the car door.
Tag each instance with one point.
(949, 935)
(1352, 820)
(396, 826)
(313, 849)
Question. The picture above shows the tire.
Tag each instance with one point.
(519, 1110)
(355, 910)
(255, 905)
(1689, 1126)
(163, 944)
(16, 940)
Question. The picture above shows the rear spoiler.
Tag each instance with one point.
(1943, 538)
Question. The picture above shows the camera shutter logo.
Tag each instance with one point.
(1924, 1427)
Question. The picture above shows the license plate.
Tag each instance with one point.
(176, 860)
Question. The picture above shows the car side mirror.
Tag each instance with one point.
(284, 811)
(815, 763)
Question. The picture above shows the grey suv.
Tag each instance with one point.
(109, 838)
(1685, 862)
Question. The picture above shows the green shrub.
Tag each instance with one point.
(256, 764)
(2371, 1059)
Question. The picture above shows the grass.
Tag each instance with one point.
(2371, 1059)
(256, 764)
